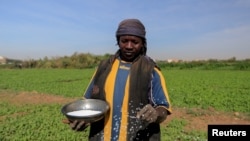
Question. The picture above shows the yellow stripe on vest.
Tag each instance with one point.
(125, 114)
(163, 83)
(109, 91)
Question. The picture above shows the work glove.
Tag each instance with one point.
(148, 114)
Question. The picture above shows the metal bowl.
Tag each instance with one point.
(85, 105)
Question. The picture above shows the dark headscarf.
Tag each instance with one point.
(132, 27)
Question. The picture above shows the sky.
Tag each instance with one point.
(175, 29)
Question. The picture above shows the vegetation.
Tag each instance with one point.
(37, 123)
(77, 60)
(223, 90)
(65, 82)
(87, 60)
(219, 84)
(211, 64)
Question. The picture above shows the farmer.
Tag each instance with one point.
(134, 87)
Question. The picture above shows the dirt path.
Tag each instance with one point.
(33, 98)
(198, 119)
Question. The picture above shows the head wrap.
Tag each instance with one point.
(131, 27)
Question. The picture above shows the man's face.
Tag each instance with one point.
(130, 47)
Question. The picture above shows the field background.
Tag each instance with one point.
(31, 100)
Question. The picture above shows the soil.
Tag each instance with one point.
(197, 119)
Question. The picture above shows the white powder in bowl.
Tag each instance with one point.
(82, 113)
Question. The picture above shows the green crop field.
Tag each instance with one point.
(223, 90)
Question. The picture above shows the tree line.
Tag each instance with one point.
(211, 64)
(87, 60)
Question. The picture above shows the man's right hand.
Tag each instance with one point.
(78, 125)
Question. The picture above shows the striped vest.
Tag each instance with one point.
(140, 77)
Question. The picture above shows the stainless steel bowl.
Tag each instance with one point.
(86, 104)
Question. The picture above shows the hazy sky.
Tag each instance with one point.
(181, 29)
